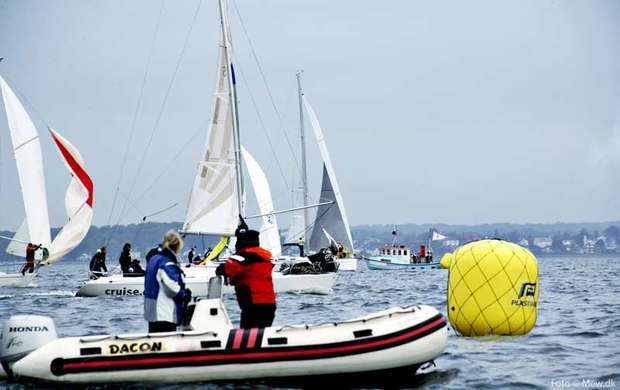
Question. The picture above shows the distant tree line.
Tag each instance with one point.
(599, 237)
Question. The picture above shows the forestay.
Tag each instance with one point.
(78, 201)
(27, 150)
(331, 217)
(213, 206)
(297, 228)
(269, 234)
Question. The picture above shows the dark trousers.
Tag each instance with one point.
(162, 326)
(28, 267)
(258, 316)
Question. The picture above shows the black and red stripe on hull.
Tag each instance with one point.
(245, 338)
(241, 355)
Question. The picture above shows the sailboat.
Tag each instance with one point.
(218, 197)
(331, 222)
(36, 226)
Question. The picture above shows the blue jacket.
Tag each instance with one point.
(164, 289)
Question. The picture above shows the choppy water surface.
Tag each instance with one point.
(576, 338)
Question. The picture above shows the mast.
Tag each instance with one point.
(302, 136)
(223, 5)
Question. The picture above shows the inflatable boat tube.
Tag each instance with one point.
(210, 349)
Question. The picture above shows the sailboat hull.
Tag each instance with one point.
(197, 279)
(16, 279)
(348, 264)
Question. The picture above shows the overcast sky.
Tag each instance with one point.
(454, 112)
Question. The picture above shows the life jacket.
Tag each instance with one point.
(249, 270)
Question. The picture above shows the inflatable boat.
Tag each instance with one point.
(209, 348)
(197, 278)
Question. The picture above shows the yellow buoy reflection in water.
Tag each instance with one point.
(492, 288)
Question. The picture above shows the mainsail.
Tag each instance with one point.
(331, 217)
(269, 234)
(213, 206)
(78, 201)
(216, 200)
(27, 150)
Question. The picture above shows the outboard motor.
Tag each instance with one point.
(22, 334)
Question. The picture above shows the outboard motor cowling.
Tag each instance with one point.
(22, 334)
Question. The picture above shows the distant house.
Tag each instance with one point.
(450, 243)
(543, 242)
(588, 246)
(569, 245)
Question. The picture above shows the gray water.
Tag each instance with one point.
(576, 337)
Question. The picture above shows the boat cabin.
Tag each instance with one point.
(395, 250)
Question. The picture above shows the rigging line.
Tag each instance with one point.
(136, 111)
(264, 78)
(132, 204)
(160, 211)
(161, 110)
(262, 125)
(172, 160)
(318, 217)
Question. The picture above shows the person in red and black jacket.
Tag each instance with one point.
(30, 252)
(249, 270)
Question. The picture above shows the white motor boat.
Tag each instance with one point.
(197, 278)
(210, 348)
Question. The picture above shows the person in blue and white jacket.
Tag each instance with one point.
(164, 289)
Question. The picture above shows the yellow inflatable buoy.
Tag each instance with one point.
(492, 288)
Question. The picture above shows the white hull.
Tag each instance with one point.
(379, 263)
(197, 279)
(348, 264)
(16, 279)
(214, 351)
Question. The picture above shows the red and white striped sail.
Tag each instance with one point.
(78, 201)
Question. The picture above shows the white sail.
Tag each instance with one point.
(27, 150)
(269, 234)
(78, 201)
(17, 246)
(213, 206)
(297, 227)
(331, 217)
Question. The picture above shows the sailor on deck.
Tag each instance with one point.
(97, 263)
(125, 258)
(30, 251)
